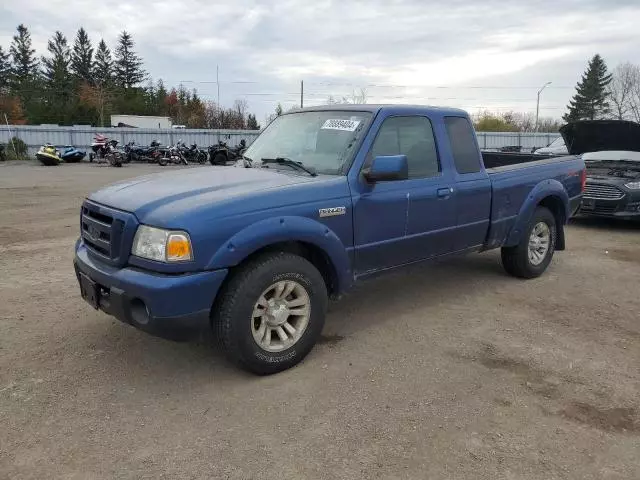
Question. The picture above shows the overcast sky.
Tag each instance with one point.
(490, 54)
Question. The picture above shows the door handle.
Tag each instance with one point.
(445, 192)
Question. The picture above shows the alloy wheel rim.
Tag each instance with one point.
(539, 242)
(280, 316)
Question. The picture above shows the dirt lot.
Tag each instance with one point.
(451, 370)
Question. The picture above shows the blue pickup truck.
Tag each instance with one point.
(324, 197)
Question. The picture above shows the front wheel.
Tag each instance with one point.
(271, 313)
(531, 257)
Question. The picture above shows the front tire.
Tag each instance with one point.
(271, 313)
(531, 257)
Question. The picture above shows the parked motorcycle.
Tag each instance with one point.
(48, 155)
(192, 153)
(172, 155)
(222, 154)
(142, 153)
(110, 154)
(71, 154)
(98, 147)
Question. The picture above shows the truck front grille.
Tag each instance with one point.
(602, 191)
(101, 232)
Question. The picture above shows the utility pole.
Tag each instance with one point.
(538, 103)
(301, 93)
(218, 101)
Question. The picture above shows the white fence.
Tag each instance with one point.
(526, 140)
(82, 136)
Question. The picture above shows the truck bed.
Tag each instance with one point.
(512, 184)
(501, 159)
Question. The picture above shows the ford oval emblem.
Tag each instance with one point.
(93, 232)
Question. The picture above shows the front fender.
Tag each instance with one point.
(284, 229)
(547, 188)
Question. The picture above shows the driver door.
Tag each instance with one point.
(402, 221)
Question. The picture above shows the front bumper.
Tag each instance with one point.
(171, 306)
(623, 208)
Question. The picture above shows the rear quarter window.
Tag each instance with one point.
(462, 141)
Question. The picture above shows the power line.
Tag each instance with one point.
(381, 85)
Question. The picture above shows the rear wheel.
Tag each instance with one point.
(219, 159)
(115, 159)
(271, 313)
(531, 257)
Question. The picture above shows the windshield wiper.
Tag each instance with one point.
(291, 163)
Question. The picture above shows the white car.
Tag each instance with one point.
(557, 147)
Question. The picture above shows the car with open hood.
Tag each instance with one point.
(611, 152)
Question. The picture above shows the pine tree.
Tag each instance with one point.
(103, 65)
(252, 122)
(56, 67)
(590, 101)
(57, 78)
(278, 110)
(82, 57)
(24, 62)
(128, 65)
(5, 70)
(161, 98)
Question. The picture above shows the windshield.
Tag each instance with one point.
(324, 141)
(558, 142)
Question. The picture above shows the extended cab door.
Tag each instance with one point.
(473, 187)
(397, 222)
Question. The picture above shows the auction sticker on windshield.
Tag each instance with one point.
(338, 124)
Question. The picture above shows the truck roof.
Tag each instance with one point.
(404, 109)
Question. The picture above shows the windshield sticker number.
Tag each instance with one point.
(338, 124)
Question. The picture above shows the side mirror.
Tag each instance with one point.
(387, 168)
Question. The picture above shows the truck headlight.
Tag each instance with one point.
(633, 185)
(162, 245)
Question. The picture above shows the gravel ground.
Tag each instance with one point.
(450, 370)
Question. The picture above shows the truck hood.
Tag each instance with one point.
(168, 195)
(601, 135)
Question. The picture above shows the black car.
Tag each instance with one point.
(611, 152)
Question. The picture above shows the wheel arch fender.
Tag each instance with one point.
(282, 230)
(550, 194)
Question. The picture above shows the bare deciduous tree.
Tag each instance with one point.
(624, 92)
(357, 97)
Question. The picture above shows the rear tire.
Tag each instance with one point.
(219, 159)
(254, 288)
(530, 258)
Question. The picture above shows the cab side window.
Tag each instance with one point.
(413, 137)
(463, 144)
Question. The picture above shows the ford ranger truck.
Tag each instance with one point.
(323, 198)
